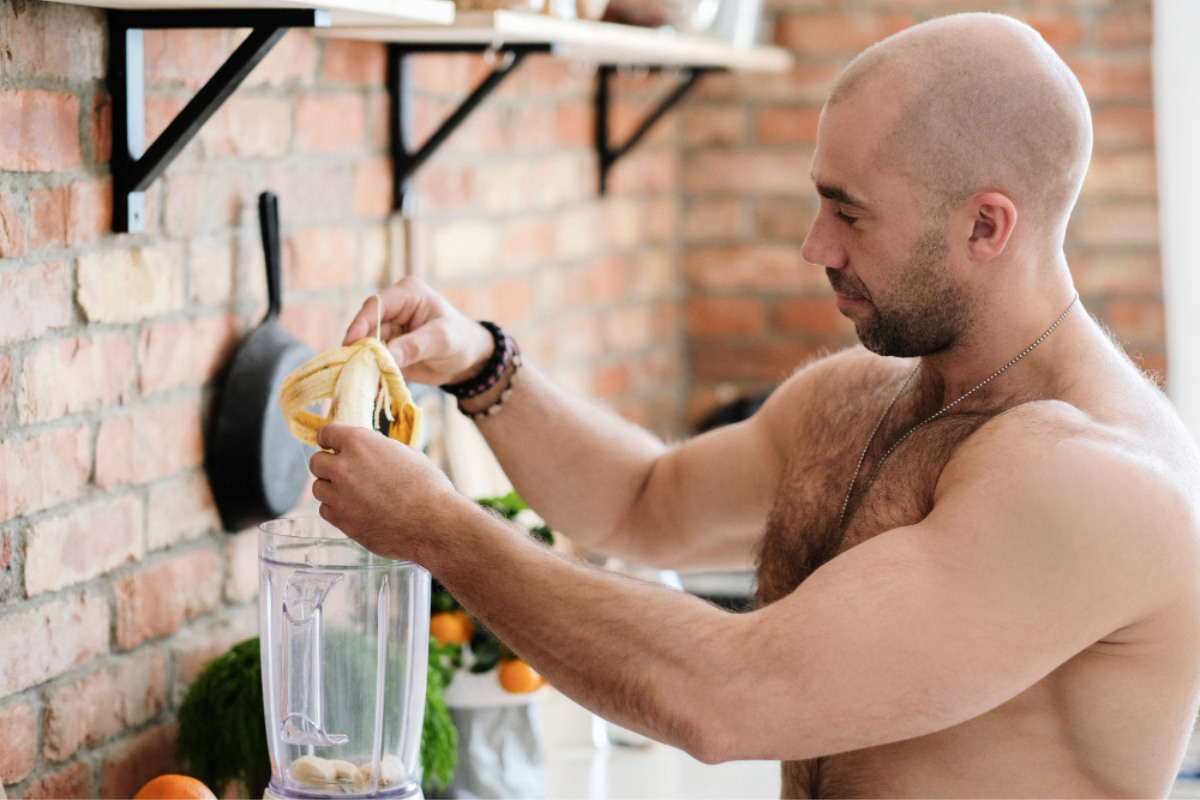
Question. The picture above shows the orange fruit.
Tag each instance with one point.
(517, 677)
(174, 787)
(451, 626)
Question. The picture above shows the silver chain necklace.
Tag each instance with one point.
(863, 456)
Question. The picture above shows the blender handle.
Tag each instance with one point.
(303, 595)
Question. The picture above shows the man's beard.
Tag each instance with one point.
(928, 312)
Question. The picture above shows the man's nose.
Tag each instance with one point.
(820, 249)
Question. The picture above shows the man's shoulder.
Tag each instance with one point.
(1049, 458)
(832, 377)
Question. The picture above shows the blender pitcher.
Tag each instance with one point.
(345, 648)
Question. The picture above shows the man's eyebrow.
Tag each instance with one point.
(840, 195)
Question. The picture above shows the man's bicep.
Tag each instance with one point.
(916, 630)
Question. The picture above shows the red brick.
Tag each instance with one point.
(1123, 126)
(73, 782)
(48, 217)
(1123, 175)
(152, 442)
(187, 57)
(160, 111)
(40, 131)
(1136, 321)
(320, 258)
(180, 509)
(123, 286)
(1112, 77)
(783, 219)
(787, 125)
(330, 123)
(462, 247)
(1128, 26)
(724, 316)
(199, 644)
(804, 82)
(185, 352)
(6, 390)
(100, 132)
(12, 228)
(240, 559)
(512, 301)
(1061, 31)
(89, 210)
(629, 328)
(93, 709)
(655, 272)
(357, 62)
(213, 273)
(814, 315)
(247, 126)
(575, 124)
(761, 361)
(755, 173)
(316, 324)
(68, 631)
(75, 375)
(1120, 224)
(762, 266)
(292, 62)
(712, 125)
(707, 221)
(18, 732)
(43, 471)
(130, 765)
(1117, 273)
(446, 186)
(839, 32)
(1153, 364)
(34, 301)
(75, 547)
(155, 601)
(373, 188)
(578, 339)
(526, 241)
(604, 280)
(51, 42)
(645, 171)
(610, 381)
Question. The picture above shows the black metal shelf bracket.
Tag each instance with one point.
(134, 166)
(606, 153)
(405, 159)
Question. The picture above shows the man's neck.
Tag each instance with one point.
(1000, 333)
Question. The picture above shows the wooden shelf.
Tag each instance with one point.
(341, 12)
(581, 40)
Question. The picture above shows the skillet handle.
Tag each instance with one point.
(268, 220)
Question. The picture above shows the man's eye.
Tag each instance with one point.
(846, 218)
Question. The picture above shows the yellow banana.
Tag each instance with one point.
(353, 377)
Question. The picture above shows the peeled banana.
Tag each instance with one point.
(352, 377)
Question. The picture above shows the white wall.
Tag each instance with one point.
(1177, 124)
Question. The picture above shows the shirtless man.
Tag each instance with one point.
(990, 597)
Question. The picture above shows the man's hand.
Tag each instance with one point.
(431, 340)
(385, 495)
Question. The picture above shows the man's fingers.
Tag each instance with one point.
(415, 347)
(333, 436)
(321, 464)
(400, 303)
(322, 490)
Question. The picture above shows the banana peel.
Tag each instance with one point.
(353, 378)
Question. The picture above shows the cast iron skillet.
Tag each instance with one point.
(255, 467)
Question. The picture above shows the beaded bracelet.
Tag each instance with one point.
(486, 378)
(494, 408)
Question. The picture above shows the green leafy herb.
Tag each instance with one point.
(222, 732)
(439, 739)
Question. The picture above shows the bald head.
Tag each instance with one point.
(982, 104)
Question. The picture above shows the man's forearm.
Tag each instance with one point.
(636, 653)
(581, 466)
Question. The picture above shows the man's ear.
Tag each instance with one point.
(994, 217)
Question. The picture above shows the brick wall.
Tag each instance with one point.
(754, 309)
(683, 286)
(116, 584)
